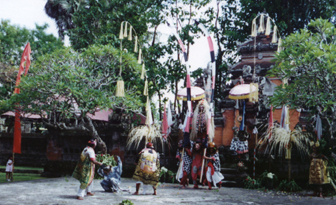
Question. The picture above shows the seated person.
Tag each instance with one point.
(111, 176)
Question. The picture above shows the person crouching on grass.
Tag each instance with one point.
(85, 169)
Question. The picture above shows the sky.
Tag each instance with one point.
(27, 13)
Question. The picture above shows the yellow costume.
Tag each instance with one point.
(148, 167)
(318, 170)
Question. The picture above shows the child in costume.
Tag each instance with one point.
(111, 175)
(213, 173)
(9, 169)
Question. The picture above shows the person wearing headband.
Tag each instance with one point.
(85, 169)
(213, 169)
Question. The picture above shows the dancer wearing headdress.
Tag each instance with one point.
(85, 169)
(213, 173)
(147, 170)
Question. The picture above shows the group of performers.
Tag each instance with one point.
(85, 171)
(191, 154)
(147, 171)
(190, 163)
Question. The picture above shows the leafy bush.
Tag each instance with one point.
(105, 159)
(171, 175)
(268, 179)
(252, 183)
(126, 202)
(289, 186)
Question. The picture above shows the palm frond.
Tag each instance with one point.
(280, 139)
(151, 133)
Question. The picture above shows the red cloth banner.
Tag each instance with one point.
(17, 125)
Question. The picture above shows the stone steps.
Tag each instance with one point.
(233, 177)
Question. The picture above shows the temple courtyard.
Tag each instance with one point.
(63, 191)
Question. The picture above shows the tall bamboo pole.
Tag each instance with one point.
(204, 153)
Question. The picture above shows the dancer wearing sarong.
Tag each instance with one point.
(213, 173)
(147, 170)
(318, 174)
(85, 170)
(184, 163)
(112, 176)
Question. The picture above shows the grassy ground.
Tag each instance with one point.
(20, 177)
(27, 168)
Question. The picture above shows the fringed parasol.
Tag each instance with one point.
(197, 93)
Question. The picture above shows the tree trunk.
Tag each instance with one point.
(101, 146)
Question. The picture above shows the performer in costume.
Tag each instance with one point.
(186, 161)
(111, 175)
(85, 169)
(318, 174)
(213, 173)
(196, 165)
(147, 170)
(199, 121)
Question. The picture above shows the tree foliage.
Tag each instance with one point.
(62, 87)
(12, 42)
(309, 62)
(290, 16)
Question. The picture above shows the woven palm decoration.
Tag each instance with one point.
(120, 89)
(255, 30)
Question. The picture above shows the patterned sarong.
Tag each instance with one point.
(148, 168)
(318, 172)
(84, 171)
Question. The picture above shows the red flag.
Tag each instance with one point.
(17, 125)
(164, 124)
(270, 122)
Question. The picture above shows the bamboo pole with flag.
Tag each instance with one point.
(210, 133)
(24, 66)
(255, 131)
(270, 123)
(164, 124)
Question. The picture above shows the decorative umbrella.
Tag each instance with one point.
(242, 91)
(197, 93)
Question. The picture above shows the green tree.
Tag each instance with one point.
(12, 42)
(224, 22)
(90, 21)
(308, 61)
(290, 16)
(62, 87)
